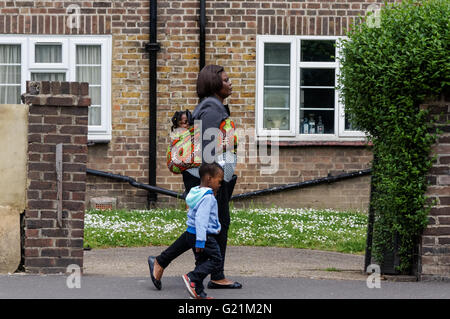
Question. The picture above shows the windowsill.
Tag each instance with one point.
(95, 142)
(361, 143)
(98, 139)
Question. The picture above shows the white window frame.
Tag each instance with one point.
(23, 58)
(96, 133)
(340, 134)
(48, 40)
(260, 93)
(102, 132)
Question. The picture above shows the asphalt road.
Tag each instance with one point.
(114, 287)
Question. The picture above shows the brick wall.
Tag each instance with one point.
(57, 114)
(232, 27)
(435, 250)
(128, 23)
(231, 30)
(308, 163)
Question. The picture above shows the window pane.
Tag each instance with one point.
(94, 117)
(88, 69)
(317, 77)
(95, 94)
(90, 74)
(10, 74)
(317, 122)
(349, 126)
(10, 94)
(10, 54)
(276, 75)
(317, 50)
(277, 53)
(277, 119)
(48, 53)
(89, 54)
(317, 98)
(276, 98)
(48, 77)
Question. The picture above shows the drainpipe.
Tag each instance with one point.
(202, 33)
(152, 48)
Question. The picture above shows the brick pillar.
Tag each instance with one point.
(58, 114)
(435, 250)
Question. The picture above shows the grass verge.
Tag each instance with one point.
(280, 227)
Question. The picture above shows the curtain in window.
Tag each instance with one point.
(48, 77)
(277, 102)
(88, 69)
(48, 53)
(10, 74)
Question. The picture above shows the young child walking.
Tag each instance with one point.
(203, 224)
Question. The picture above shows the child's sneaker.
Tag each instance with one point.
(203, 295)
(191, 289)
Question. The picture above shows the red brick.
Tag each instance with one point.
(40, 262)
(54, 252)
(38, 242)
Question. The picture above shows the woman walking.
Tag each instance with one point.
(213, 87)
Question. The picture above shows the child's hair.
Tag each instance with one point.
(177, 117)
(210, 169)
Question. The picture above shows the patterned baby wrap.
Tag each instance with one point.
(184, 149)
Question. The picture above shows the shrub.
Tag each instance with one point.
(387, 72)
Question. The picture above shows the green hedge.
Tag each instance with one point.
(387, 72)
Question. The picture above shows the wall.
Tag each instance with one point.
(232, 27)
(13, 182)
(435, 249)
(58, 114)
(308, 163)
(231, 30)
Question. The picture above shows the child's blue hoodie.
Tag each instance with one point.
(202, 217)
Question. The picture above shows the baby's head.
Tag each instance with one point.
(181, 119)
(211, 175)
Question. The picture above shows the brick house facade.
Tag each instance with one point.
(233, 33)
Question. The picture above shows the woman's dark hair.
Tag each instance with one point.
(209, 80)
(177, 117)
(210, 169)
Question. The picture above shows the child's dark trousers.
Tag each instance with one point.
(206, 262)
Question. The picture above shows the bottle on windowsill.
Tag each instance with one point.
(305, 126)
(312, 124)
(320, 126)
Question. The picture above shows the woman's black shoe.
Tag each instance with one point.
(234, 285)
(151, 264)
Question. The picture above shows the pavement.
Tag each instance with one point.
(265, 272)
(243, 261)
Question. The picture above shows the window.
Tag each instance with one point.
(296, 89)
(60, 58)
(10, 73)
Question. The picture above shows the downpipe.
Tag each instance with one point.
(152, 48)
